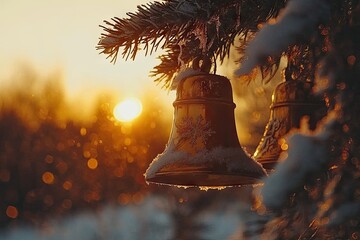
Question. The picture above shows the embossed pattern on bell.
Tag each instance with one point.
(291, 101)
(203, 148)
(198, 124)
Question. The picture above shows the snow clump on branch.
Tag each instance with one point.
(307, 154)
(298, 21)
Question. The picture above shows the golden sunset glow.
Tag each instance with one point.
(127, 110)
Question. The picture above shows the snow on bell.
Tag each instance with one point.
(291, 101)
(203, 149)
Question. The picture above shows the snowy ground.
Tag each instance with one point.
(149, 220)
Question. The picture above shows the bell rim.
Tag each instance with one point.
(196, 178)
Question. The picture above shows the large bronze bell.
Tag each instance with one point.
(291, 101)
(203, 148)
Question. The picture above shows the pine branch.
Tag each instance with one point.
(154, 25)
(199, 27)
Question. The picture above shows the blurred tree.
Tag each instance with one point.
(315, 192)
(52, 163)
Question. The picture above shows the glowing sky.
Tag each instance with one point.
(61, 35)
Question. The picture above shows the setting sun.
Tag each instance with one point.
(127, 110)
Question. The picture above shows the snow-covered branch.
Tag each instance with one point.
(297, 23)
(307, 154)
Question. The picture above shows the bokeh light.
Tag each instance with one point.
(92, 163)
(12, 212)
(48, 178)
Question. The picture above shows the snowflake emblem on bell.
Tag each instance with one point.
(192, 131)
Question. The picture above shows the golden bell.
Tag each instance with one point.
(291, 101)
(203, 148)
